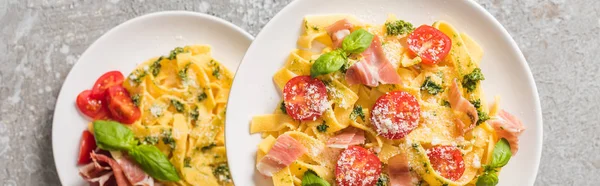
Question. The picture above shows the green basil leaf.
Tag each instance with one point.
(154, 162)
(501, 154)
(310, 178)
(488, 179)
(357, 42)
(328, 63)
(112, 135)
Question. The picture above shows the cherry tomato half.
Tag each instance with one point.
(87, 144)
(93, 108)
(395, 114)
(429, 43)
(305, 98)
(447, 161)
(106, 81)
(121, 106)
(357, 166)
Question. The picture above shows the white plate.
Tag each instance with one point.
(122, 48)
(505, 69)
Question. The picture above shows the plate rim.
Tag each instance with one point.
(505, 36)
(114, 29)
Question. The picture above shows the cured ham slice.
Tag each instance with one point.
(134, 173)
(347, 138)
(461, 104)
(116, 168)
(338, 31)
(399, 171)
(284, 152)
(375, 68)
(92, 170)
(508, 127)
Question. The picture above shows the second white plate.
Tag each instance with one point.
(122, 48)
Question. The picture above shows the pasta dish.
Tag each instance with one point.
(383, 104)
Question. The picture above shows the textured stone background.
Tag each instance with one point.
(40, 40)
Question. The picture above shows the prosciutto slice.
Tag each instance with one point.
(134, 173)
(374, 68)
(116, 168)
(508, 127)
(347, 138)
(284, 152)
(399, 171)
(461, 104)
(338, 31)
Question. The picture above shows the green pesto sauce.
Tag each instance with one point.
(431, 87)
(398, 27)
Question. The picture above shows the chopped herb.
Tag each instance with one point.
(208, 147)
(152, 140)
(282, 107)
(315, 28)
(221, 172)
(476, 103)
(217, 72)
(322, 127)
(383, 180)
(305, 24)
(431, 87)
(357, 112)
(138, 76)
(155, 67)
(446, 103)
(183, 72)
(178, 105)
(167, 138)
(187, 162)
(137, 99)
(445, 184)
(398, 27)
(415, 146)
(194, 114)
(174, 52)
(483, 116)
(470, 80)
(202, 96)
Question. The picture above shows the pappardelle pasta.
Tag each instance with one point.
(385, 104)
(167, 123)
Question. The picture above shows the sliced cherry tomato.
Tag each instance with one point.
(429, 43)
(93, 108)
(121, 106)
(395, 114)
(447, 161)
(357, 166)
(106, 81)
(305, 98)
(87, 144)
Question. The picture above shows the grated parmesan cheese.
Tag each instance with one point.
(156, 110)
(476, 162)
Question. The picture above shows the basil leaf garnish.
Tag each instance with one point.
(328, 63)
(357, 42)
(487, 179)
(154, 162)
(112, 135)
(310, 178)
(501, 154)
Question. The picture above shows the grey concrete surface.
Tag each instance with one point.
(40, 40)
